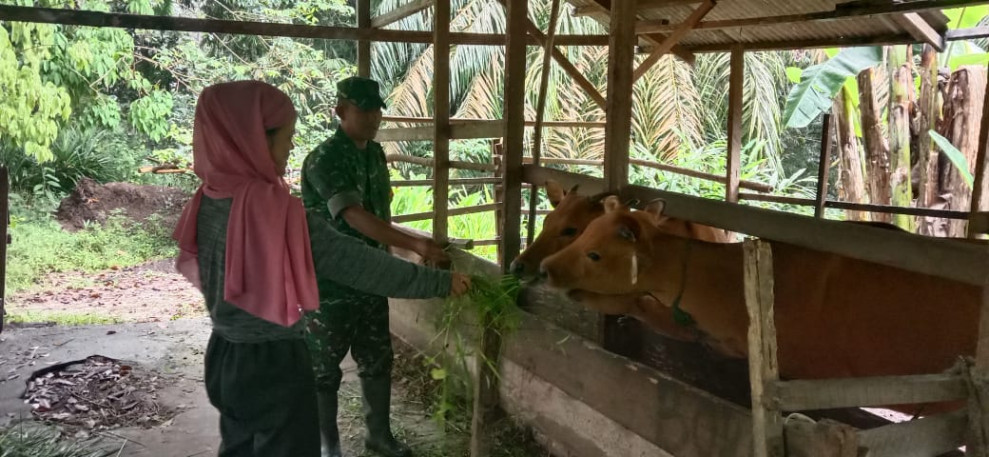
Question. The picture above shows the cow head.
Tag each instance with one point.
(570, 216)
(608, 256)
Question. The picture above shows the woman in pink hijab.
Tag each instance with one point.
(245, 243)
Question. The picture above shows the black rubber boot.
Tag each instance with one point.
(329, 435)
(377, 413)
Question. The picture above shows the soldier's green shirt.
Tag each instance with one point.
(337, 174)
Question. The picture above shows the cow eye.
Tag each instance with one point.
(593, 256)
(569, 231)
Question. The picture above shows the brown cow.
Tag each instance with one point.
(835, 316)
(570, 216)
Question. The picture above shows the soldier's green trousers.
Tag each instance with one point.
(359, 325)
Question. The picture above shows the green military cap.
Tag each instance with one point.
(363, 92)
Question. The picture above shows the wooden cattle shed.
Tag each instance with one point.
(581, 398)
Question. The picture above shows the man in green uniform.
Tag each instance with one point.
(345, 180)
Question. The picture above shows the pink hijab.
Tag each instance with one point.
(269, 267)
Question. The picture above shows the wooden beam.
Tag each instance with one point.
(400, 13)
(456, 131)
(456, 121)
(441, 114)
(735, 95)
(678, 33)
(452, 182)
(427, 162)
(602, 15)
(804, 395)
(983, 218)
(533, 32)
(824, 165)
(654, 26)
(919, 28)
(364, 45)
(972, 33)
(621, 55)
(453, 212)
(767, 423)
(181, 24)
(877, 40)
(537, 141)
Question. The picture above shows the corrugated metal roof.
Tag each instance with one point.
(832, 32)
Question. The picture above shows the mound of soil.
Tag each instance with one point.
(95, 203)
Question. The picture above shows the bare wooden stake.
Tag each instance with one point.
(767, 423)
(735, 92)
(441, 112)
(823, 168)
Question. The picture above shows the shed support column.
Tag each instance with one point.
(441, 124)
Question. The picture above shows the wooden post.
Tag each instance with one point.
(618, 114)
(514, 136)
(441, 123)
(364, 45)
(486, 387)
(735, 92)
(499, 192)
(767, 424)
(4, 239)
(618, 130)
(537, 139)
(823, 168)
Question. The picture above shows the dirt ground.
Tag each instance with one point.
(92, 202)
(163, 329)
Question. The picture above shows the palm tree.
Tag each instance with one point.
(674, 103)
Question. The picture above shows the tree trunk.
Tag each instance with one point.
(901, 98)
(927, 164)
(876, 147)
(852, 187)
(962, 112)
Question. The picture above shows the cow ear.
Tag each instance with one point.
(555, 192)
(611, 204)
(655, 207)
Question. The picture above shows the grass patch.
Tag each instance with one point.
(41, 247)
(15, 316)
(30, 440)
